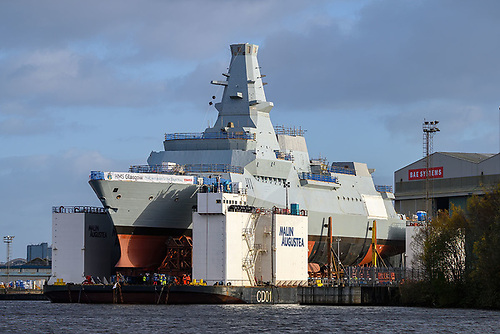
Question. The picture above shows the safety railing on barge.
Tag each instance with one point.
(367, 276)
(210, 135)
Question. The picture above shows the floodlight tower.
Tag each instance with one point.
(8, 240)
(429, 129)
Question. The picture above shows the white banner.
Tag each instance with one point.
(149, 177)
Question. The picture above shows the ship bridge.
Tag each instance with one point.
(222, 140)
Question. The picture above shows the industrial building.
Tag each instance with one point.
(453, 178)
(37, 270)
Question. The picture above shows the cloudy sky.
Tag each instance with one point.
(94, 85)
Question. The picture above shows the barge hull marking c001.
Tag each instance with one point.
(189, 294)
(174, 294)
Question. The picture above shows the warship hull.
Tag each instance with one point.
(151, 203)
(144, 226)
(146, 215)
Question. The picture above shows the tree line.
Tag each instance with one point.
(459, 256)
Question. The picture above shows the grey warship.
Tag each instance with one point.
(150, 203)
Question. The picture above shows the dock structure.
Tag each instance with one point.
(206, 294)
(28, 294)
(238, 244)
(241, 254)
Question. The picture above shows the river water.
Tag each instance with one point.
(45, 317)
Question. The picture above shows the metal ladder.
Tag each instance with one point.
(253, 249)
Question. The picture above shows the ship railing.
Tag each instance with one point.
(342, 170)
(383, 189)
(211, 188)
(240, 208)
(289, 131)
(213, 168)
(78, 209)
(283, 155)
(157, 169)
(210, 135)
(96, 175)
(183, 169)
(318, 177)
(217, 184)
(283, 211)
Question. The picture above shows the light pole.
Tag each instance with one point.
(286, 185)
(429, 129)
(8, 240)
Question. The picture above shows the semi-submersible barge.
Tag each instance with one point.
(151, 203)
(188, 294)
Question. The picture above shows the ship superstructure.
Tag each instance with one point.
(150, 203)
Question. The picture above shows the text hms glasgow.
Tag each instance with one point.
(150, 177)
(288, 239)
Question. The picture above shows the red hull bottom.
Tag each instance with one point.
(141, 251)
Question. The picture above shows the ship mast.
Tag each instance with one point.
(243, 100)
(244, 107)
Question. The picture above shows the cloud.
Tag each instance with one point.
(33, 184)
(185, 29)
(18, 126)
(66, 57)
(54, 79)
(391, 53)
(395, 54)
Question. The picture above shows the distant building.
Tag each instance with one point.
(41, 251)
(16, 262)
(453, 178)
(18, 269)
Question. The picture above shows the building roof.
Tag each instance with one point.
(471, 157)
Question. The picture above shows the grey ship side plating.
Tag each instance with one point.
(243, 146)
